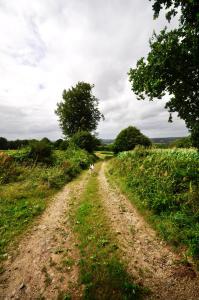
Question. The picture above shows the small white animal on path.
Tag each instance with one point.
(91, 168)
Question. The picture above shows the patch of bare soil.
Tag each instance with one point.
(148, 258)
(45, 265)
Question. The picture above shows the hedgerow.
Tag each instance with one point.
(166, 183)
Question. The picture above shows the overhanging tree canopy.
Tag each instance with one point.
(172, 65)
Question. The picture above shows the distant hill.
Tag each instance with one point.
(107, 141)
(162, 140)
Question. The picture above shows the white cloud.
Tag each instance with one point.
(47, 46)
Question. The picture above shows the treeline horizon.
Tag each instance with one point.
(62, 144)
(6, 144)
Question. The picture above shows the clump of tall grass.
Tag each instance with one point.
(166, 182)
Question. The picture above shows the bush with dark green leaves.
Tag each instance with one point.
(184, 142)
(3, 143)
(128, 138)
(64, 145)
(41, 151)
(85, 140)
(61, 144)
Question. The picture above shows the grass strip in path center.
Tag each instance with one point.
(101, 272)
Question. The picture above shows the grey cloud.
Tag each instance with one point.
(10, 111)
(31, 49)
(41, 86)
(11, 120)
(68, 41)
(119, 116)
(17, 122)
(105, 87)
(152, 128)
(36, 48)
(151, 113)
(113, 108)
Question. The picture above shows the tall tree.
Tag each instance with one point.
(172, 65)
(78, 111)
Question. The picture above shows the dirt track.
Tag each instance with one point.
(45, 265)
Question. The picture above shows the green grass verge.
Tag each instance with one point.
(20, 203)
(102, 273)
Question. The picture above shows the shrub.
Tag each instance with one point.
(61, 144)
(64, 145)
(128, 138)
(8, 169)
(54, 177)
(71, 169)
(46, 140)
(79, 157)
(41, 151)
(85, 140)
(3, 143)
(57, 143)
(182, 143)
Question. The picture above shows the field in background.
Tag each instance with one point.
(104, 154)
(164, 185)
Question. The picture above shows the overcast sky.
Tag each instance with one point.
(49, 45)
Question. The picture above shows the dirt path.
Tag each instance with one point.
(148, 258)
(45, 263)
